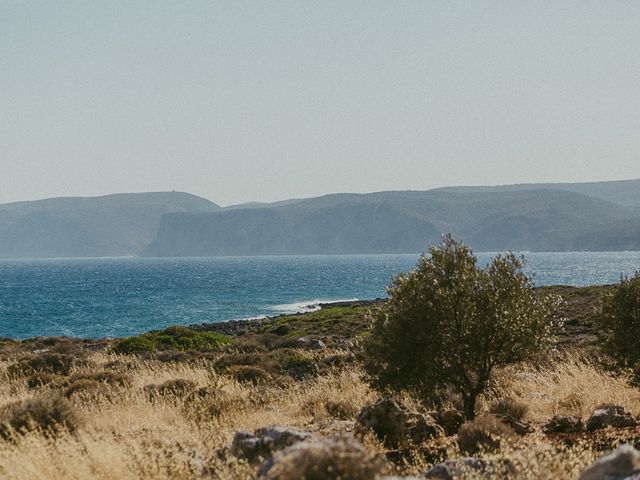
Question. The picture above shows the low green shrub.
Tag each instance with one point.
(172, 338)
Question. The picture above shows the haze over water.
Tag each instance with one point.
(120, 297)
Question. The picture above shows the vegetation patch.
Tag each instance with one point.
(172, 338)
(50, 415)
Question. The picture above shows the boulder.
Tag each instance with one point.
(264, 441)
(398, 426)
(451, 469)
(310, 343)
(621, 464)
(327, 459)
(564, 424)
(610, 416)
(450, 419)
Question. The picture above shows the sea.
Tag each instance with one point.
(116, 297)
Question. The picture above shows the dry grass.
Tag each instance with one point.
(134, 435)
(571, 385)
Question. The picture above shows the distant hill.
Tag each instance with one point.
(621, 192)
(530, 217)
(112, 225)
(396, 222)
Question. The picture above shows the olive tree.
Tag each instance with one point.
(621, 321)
(449, 323)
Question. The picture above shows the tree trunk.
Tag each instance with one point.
(469, 400)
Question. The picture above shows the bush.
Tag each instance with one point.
(329, 459)
(54, 363)
(341, 410)
(86, 388)
(294, 363)
(112, 379)
(178, 387)
(38, 380)
(621, 321)
(208, 404)
(172, 338)
(483, 434)
(449, 323)
(508, 407)
(249, 374)
(51, 415)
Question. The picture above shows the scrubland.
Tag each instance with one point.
(73, 409)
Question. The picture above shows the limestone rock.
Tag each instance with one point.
(450, 469)
(610, 416)
(310, 343)
(264, 441)
(398, 426)
(623, 463)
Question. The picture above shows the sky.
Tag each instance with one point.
(260, 101)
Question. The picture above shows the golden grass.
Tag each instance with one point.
(571, 385)
(130, 435)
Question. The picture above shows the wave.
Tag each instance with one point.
(306, 306)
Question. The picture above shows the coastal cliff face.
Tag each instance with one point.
(404, 222)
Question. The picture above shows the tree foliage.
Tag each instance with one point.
(621, 319)
(449, 323)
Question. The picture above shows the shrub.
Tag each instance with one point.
(54, 363)
(178, 387)
(86, 387)
(508, 407)
(340, 410)
(112, 379)
(449, 323)
(329, 459)
(249, 374)
(208, 404)
(621, 320)
(483, 434)
(39, 379)
(294, 363)
(172, 338)
(50, 415)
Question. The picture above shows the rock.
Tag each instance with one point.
(620, 464)
(265, 441)
(610, 416)
(398, 426)
(310, 343)
(328, 458)
(450, 419)
(564, 424)
(518, 426)
(450, 469)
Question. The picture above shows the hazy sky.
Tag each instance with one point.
(266, 100)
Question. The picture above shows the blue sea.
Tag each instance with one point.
(115, 297)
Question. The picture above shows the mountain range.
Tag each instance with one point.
(595, 216)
